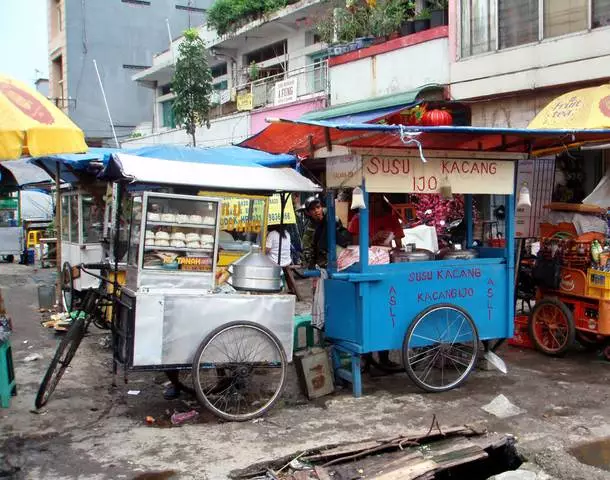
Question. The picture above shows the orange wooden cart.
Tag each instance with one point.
(579, 307)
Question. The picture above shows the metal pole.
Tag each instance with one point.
(99, 79)
(58, 227)
(283, 200)
(169, 35)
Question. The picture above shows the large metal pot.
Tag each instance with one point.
(256, 272)
(417, 255)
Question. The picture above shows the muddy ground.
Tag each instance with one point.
(91, 430)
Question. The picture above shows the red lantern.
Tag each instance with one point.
(436, 118)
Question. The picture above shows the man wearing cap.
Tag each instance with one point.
(315, 251)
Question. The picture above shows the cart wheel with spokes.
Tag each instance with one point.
(551, 327)
(62, 358)
(67, 286)
(440, 348)
(239, 371)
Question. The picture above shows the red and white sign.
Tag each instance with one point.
(408, 174)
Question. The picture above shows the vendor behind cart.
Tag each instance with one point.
(384, 226)
(315, 251)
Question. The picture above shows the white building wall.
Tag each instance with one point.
(579, 57)
(222, 131)
(392, 72)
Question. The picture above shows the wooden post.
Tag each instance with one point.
(58, 227)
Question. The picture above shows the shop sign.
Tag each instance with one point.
(344, 171)
(411, 175)
(244, 101)
(286, 91)
(275, 211)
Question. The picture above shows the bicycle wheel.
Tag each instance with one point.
(67, 286)
(440, 348)
(239, 371)
(62, 358)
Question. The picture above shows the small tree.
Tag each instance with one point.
(192, 84)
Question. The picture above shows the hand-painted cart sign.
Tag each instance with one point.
(405, 174)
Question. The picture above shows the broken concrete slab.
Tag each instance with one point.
(502, 407)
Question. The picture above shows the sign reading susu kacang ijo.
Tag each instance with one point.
(386, 173)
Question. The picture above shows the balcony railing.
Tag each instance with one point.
(291, 86)
(288, 87)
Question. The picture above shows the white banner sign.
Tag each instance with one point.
(286, 91)
(399, 174)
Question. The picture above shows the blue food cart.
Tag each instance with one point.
(440, 313)
(437, 311)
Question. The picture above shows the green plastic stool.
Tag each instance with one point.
(7, 374)
(303, 321)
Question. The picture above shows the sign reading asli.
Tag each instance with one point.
(410, 175)
(286, 91)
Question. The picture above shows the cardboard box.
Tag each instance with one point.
(314, 372)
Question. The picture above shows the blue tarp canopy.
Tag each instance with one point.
(229, 155)
(20, 173)
(71, 165)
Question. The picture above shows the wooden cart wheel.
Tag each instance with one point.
(440, 348)
(551, 327)
(67, 287)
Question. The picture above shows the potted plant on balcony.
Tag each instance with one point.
(422, 20)
(439, 14)
(407, 27)
(253, 71)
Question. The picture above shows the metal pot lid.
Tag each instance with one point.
(461, 254)
(256, 259)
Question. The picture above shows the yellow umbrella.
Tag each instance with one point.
(584, 109)
(31, 125)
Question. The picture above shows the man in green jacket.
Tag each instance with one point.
(315, 251)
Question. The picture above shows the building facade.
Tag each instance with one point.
(121, 36)
(275, 67)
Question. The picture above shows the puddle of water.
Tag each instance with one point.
(595, 453)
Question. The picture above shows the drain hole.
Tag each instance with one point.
(500, 460)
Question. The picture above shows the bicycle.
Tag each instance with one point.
(92, 309)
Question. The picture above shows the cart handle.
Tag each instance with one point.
(311, 273)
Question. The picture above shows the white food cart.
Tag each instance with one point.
(172, 314)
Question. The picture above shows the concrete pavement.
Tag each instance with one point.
(90, 430)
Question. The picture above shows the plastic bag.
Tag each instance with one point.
(317, 310)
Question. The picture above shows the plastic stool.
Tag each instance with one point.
(7, 374)
(303, 321)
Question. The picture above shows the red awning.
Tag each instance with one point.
(303, 138)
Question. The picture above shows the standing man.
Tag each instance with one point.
(315, 250)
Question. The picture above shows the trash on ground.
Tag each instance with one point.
(33, 357)
(178, 418)
(496, 361)
(406, 455)
(133, 392)
(150, 420)
(501, 407)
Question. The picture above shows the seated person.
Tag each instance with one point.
(382, 222)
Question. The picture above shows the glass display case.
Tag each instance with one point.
(242, 224)
(173, 233)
